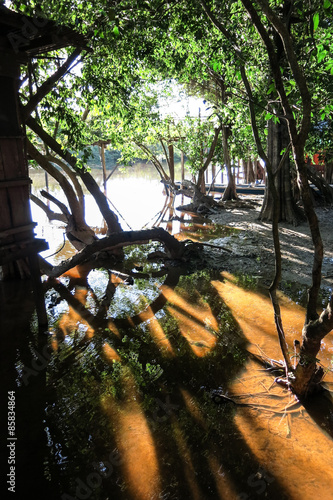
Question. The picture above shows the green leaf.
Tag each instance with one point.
(116, 31)
(327, 4)
(315, 21)
(321, 56)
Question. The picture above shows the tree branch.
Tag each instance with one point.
(48, 85)
(58, 203)
(72, 175)
(298, 74)
(90, 183)
(213, 147)
(117, 240)
(64, 183)
(274, 65)
(50, 214)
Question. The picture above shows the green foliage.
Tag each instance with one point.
(153, 42)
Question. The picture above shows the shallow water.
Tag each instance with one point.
(136, 196)
(122, 393)
(118, 399)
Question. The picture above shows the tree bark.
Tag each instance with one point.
(171, 163)
(230, 191)
(73, 177)
(50, 214)
(75, 207)
(119, 240)
(278, 140)
(201, 174)
(306, 372)
(110, 217)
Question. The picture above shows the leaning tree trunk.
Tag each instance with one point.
(205, 164)
(329, 172)
(278, 140)
(77, 230)
(109, 216)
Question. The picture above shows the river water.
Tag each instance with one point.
(122, 398)
(136, 195)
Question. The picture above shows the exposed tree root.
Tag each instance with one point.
(174, 248)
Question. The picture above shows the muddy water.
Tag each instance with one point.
(117, 400)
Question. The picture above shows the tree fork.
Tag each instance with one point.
(88, 180)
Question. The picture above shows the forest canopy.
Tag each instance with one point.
(265, 71)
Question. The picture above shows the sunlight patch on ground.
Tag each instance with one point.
(159, 336)
(201, 313)
(294, 450)
(129, 425)
(200, 340)
(112, 327)
(254, 314)
(69, 322)
(110, 354)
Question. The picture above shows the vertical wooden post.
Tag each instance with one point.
(102, 154)
(171, 163)
(213, 174)
(15, 221)
(182, 163)
(38, 291)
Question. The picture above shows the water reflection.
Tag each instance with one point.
(122, 403)
(129, 411)
(137, 197)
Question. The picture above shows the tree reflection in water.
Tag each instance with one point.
(129, 408)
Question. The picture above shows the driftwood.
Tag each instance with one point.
(201, 203)
(174, 248)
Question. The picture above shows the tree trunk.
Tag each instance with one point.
(230, 191)
(307, 374)
(201, 181)
(278, 140)
(329, 172)
(250, 177)
(102, 155)
(110, 217)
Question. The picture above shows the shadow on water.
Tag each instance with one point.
(21, 346)
(117, 401)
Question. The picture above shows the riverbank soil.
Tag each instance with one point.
(252, 244)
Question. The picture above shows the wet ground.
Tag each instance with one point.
(123, 396)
